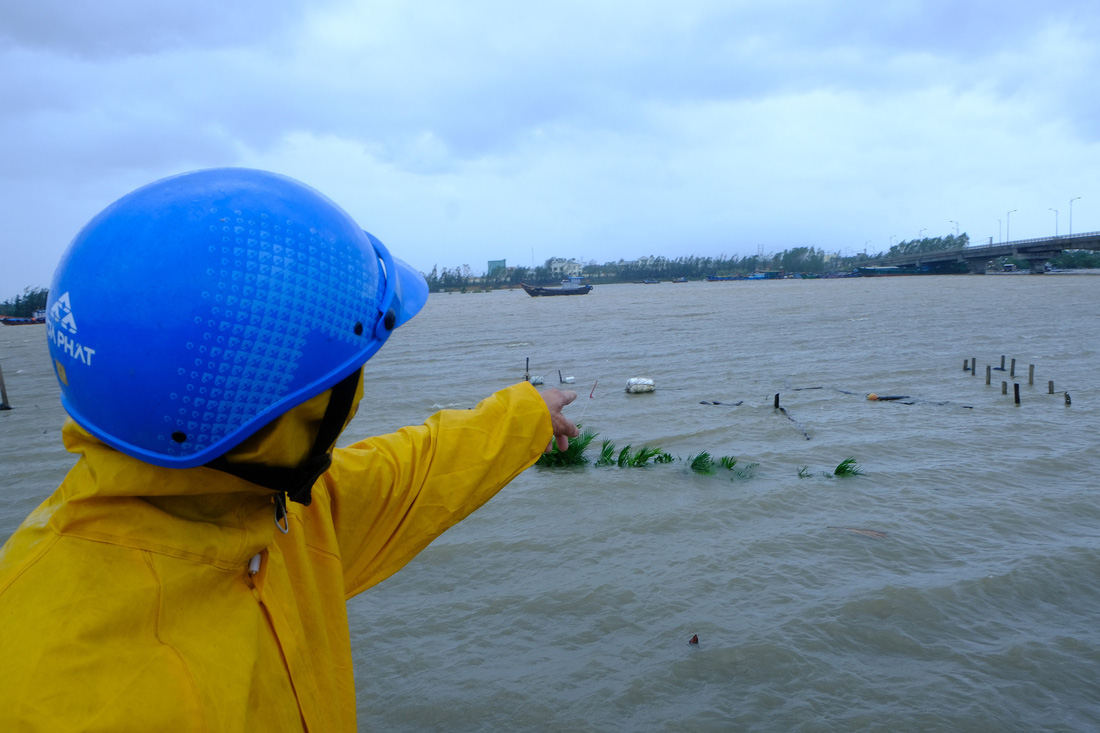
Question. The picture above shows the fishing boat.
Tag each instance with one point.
(569, 286)
(38, 317)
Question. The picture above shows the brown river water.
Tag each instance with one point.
(567, 602)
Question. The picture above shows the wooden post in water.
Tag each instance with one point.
(1016, 390)
(1002, 367)
(777, 400)
(1012, 372)
(1004, 387)
(1050, 387)
(974, 366)
(966, 364)
(1030, 374)
(3, 393)
(988, 374)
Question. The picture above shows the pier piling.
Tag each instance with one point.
(1004, 387)
(966, 365)
(974, 366)
(1030, 375)
(988, 374)
(777, 400)
(1016, 391)
(1050, 387)
(3, 393)
(1012, 371)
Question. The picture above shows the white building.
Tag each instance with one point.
(565, 268)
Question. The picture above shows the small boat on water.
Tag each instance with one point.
(38, 317)
(569, 286)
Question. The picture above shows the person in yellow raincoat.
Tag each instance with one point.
(208, 332)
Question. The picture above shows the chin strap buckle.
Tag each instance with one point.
(280, 513)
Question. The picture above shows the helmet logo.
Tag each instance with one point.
(61, 321)
(62, 314)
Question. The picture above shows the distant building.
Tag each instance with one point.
(495, 265)
(565, 268)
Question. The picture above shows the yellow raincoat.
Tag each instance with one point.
(127, 601)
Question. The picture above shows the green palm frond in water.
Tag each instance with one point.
(702, 463)
(644, 455)
(848, 467)
(571, 456)
(607, 454)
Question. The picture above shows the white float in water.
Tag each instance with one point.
(635, 385)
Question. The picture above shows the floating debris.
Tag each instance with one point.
(887, 398)
(638, 385)
(724, 404)
(694, 639)
(865, 532)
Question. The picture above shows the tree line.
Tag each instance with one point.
(798, 260)
(805, 260)
(24, 306)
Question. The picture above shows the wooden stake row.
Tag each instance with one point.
(971, 365)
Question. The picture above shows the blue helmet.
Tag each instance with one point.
(196, 309)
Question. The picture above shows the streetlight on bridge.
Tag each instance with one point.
(1055, 221)
(920, 235)
(1071, 213)
(952, 221)
(1008, 222)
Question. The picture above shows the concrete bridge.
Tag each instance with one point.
(1035, 251)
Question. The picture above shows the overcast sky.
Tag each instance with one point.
(459, 132)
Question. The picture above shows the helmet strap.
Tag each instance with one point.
(297, 481)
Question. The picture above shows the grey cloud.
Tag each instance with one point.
(124, 27)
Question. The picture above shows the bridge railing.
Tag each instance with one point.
(1063, 241)
(1061, 238)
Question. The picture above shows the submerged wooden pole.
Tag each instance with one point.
(1030, 374)
(1016, 390)
(1050, 387)
(777, 400)
(3, 393)
(1004, 387)
(974, 366)
(988, 373)
(966, 365)
(1012, 371)
(1002, 366)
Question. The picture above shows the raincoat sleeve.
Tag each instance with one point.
(393, 494)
